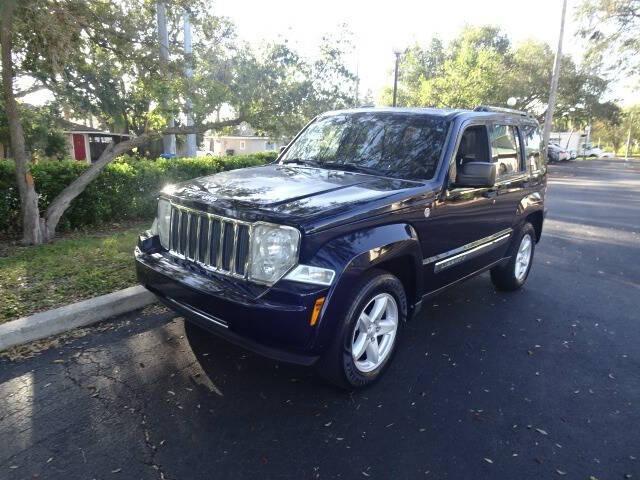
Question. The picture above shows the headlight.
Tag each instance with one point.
(164, 222)
(274, 251)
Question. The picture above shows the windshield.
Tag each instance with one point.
(381, 143)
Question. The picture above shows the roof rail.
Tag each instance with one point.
(488, 108)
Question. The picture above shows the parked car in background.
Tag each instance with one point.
(322, 256)
(204, 153)
(556, 153)
(596, 152)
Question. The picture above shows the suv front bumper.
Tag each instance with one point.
(274, 323)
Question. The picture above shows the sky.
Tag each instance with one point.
(380, 27)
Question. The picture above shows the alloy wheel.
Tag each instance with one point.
(375, 332)
(523, 257)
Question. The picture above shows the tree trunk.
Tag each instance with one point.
(60, 204)
(62, 201)
(32, 226)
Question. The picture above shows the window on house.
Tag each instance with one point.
(243, 145)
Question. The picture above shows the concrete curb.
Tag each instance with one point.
(63, 319)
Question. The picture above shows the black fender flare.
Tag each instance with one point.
(528, 205)
(353, 254)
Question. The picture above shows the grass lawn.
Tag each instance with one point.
(72, 268)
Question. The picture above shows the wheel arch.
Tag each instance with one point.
(403, 268)
(393, 248)
(536, 219)
(531, 209)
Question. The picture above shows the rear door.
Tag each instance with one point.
(512, 173)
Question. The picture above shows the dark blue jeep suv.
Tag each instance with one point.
(320, 257)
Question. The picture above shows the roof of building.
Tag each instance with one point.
(73, 127)
(239, 137)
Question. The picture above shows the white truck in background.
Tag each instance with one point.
(578, 144)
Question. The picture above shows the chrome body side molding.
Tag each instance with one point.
(465, 252)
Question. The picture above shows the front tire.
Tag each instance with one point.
(368, 335)
(514, 273)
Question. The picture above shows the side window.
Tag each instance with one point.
(533, 147)
(505, 150)
(473, 147)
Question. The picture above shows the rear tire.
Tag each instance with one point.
(512, 275)
(363, 346)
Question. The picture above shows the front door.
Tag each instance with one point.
(462, 230)
(79, 150)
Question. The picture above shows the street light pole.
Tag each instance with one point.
(395, 78)
(626, 157)
(188, 73)
(553, 91)
(168, 141)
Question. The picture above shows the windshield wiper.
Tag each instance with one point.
(309, 163)
(349, 167)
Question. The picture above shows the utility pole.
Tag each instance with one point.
(626, 157)
(357, 85)
(168, 141)
(188, 73)
(395, 77)
(553, 91)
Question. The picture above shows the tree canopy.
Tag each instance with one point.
(612, 27)
(102, 59)
(482, 66)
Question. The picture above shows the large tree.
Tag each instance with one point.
(49, 36)
(100, 58)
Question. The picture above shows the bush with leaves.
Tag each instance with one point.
(125, 190)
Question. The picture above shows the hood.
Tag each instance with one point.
(293, 194)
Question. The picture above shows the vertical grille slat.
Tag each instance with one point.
(242, 249)
(192, 241)
(203, 239)
(182, 235)
(175, 228)
(215, 242)
(219, 243)
(227, 246)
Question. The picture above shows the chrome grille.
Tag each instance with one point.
(216, 242)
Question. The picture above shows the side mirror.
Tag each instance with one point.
(282, 149)
(476, 174)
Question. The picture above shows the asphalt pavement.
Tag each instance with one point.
(540, 383)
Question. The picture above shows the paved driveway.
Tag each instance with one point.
(541, 383)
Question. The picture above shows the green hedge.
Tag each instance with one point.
(126, 189)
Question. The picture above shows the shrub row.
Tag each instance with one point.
(126, 189)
